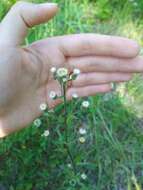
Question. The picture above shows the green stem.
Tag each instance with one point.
(66, 128)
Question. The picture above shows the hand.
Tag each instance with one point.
(25, 79)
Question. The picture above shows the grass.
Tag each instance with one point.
(112, 156)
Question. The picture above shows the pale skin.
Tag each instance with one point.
(25, 78)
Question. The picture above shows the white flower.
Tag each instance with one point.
(53, 69)
(52, 95)
(62, 72)
(69, 165)
(83, 176)
(82, 131)
(46, 133)
(43, 106)
(74, 95)
(37, 122)
(76, 71)
(82, 140)
(85, 104)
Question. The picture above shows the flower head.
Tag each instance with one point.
(37, 122)
(76, 71)
(69, 165)
(62, 72)
(43, 106)
(82, 131)
(46, 133)
(82, 140)
(85, 104)
(74, 95)
(83, 176)
(52, 95)
(53, 69)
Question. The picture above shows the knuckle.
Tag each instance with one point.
(18, 5)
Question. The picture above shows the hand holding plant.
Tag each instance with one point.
(25, 79)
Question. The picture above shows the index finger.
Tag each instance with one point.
(96, 44)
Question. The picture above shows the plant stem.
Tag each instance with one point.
(66, 128)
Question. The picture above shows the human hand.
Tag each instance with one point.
(25, 79)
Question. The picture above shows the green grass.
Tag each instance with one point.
(112, 156)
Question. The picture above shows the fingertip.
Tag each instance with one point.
(134, 48)
(49, 5)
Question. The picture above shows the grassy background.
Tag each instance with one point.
(112, 156)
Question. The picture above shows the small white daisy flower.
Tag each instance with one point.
(43, 106)
(62, 72)
(85, 104)
(83, 176)
(46, 133)
(69, 165)
(53, 69)
(76, 71)
(37, 122)
(52, 95)
(82, 140)
(74, 95)
(82, 131)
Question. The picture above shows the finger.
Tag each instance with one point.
(88, 90)
(95, 44)
(86, 79)
(22, 16)
(106, 64)
(80, 91)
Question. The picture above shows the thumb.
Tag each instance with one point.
(24, 15)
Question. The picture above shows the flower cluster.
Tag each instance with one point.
(82, 132)
(63, 76)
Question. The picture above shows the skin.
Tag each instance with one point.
(25, 78)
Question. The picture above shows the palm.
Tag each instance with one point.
(25, 78)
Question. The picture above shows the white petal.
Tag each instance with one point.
(53, 69)
(37, 122)
(83, 176)
(74, 95)
(82, 131)
(46, 133)
(85, 104)
(52, 94)
(43, 106)
(76, 71)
